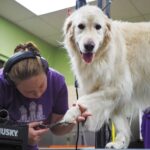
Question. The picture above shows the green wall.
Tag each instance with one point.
(11, 35)
(62, 64)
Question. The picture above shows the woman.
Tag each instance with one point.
(32, 92)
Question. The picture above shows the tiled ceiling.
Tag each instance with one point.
(48, 27)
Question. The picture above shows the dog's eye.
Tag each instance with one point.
(81, 26)
(97, 26)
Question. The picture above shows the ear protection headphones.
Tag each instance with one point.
(21, 55)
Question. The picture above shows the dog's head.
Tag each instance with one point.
(87, 32)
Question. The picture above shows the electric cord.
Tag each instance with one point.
(78, 129)
(77, 139)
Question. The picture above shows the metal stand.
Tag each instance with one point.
(102, 137)
(80, 3)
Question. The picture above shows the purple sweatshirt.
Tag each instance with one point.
(23, 109)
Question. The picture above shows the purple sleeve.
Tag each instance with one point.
(6, 91)
(30, 147)
(2, 94)
(61, 101)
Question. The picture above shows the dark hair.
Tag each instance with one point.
(29, 46)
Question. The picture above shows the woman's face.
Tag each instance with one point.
(33, 87)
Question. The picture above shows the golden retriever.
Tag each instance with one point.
(111, 61)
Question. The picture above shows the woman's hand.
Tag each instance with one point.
(34, 133)
(84, 113)
(61, 129)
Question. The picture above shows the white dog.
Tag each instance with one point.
(111, 61)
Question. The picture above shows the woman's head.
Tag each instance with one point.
(34, 87)
(28, 69)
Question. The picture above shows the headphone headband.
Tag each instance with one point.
(18, 57)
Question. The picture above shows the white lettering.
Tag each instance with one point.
(8, 132)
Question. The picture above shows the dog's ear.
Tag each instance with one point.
(108, 28)
(68, 26)
(107, 33)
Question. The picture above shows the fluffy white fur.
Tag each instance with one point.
(111, 61)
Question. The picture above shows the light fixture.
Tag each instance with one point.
(40, 7)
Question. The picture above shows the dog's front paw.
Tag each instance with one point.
(71, 115)
(116, 145)
(121, 141)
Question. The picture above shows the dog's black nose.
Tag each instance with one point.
(89, 46)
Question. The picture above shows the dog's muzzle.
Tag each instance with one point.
(88, 54)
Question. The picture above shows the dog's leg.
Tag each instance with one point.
(101, 105)
(122, 132)
(91, 101)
